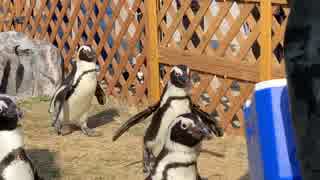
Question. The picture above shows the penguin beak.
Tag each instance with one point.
(92, 55)
(201, 131)
(184, 80)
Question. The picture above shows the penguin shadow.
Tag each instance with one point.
(245, 177)
(45, 163)
(102, 118)
(212, 153)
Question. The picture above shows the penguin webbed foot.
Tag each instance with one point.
(90, 132)
(66, 130)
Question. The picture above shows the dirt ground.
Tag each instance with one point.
(77, 157)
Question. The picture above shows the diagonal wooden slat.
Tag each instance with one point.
(205, 82)
(176, 22)
(98, 19)
(214, 25)
(246, 90)
(19, 6)
(106, 34)
(195, 23)
(7, 5)
(71, 23)
(78, 35)
(38, 18)
(244, 12)
(249, 42)
(121, 33)
(59, 21)
(163, 10)
(28, 14)
(221, 92)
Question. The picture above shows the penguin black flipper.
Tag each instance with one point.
(213, 124)
(100, 95)
(35, 172)
(135, 120)
(66, 82)
(62, 93)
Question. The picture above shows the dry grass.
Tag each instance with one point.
(82, 158)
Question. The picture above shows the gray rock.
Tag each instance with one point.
(28, 67)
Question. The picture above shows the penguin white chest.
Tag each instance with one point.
(86, 86)
(18, 170)
(83, 94)
(177, 107)
(182, 173)
(176, 166)
(80, 101)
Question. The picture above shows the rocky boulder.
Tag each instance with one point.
(28, 67)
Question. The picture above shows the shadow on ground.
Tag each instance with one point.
(245, 177)
(216, 154)
(102, 118)
(45, 163)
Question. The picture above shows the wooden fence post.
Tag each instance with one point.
(152, 51)
(265, 66)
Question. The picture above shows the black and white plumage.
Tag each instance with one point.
(178, 158)
(14, 162)
(173, 102)
(71, 102)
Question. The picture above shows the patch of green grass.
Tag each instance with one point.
(40, 99)
(27, 103)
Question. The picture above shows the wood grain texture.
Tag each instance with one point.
(152, 51)
(266, 46)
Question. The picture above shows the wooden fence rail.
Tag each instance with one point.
(229, 45)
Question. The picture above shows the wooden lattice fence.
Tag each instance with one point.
(226, 44)
(230, 45)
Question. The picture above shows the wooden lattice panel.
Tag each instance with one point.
(114, 27)
(279, 23)
(228, 32)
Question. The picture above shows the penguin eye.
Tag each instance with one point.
(184, 126)
(177, 74)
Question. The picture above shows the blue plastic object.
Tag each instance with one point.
(269, 133)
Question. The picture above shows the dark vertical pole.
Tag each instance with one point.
(302, 60)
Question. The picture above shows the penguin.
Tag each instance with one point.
(70, 104)
(174, 101)
(178, 158)
(14, 162)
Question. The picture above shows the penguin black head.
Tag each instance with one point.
(10, 114)
(189, 130)
(180, 76)
(87, 53)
